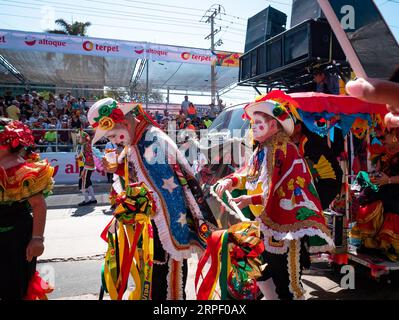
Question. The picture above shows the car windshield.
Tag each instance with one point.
(236, 121)
(218, 123)
(229, 119)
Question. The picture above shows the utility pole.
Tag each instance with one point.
(209, 17)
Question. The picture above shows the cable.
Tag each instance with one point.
(117, 18)
(128, 6)
(169, 6)
(104, 25)
(106, 11)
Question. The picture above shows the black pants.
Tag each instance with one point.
(277, 269)
(109, 177)
(85, 180)
(160, 281)
(160, 271)
(15, 233)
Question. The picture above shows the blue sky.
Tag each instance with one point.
(173, 22)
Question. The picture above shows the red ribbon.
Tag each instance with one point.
(127, 263)
(212, 249)
(105, 231)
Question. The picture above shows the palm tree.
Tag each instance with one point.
(74, 29)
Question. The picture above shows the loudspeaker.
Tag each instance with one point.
(337, 223)
(303, 10)
(264, 25)
(298, 47)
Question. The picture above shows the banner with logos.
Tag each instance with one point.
(65, 169)
(19, 40)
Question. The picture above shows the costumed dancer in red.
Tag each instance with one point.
(377, 220)
(86, 165)
(292, 221)
(24, 182)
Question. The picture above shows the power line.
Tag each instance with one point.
(99, 10)
(141, 19)
(114, 26)
(169, 6)
(105, 25)
(120, 13)
(282, 3)
(128, 6)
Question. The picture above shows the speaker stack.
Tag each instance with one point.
(303, 10)
(264, 25)
(290, 52)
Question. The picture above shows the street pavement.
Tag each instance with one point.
(74, 253)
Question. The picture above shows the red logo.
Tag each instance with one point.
(54, 163)
(139, 50)
(186, 55)
(30, 41)
(88, 45)
(3, 39)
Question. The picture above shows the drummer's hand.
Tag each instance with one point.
(242, 201)
(108, 167)
(382, 179)
(378, 91)
(224, 185)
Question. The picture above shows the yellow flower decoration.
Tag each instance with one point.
(300, 181)
(291, 185)
(281, 192)
(106, 123)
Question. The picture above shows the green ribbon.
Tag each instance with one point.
(224, 272)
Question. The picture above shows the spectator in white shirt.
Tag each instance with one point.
(184, 105)
(60, 103)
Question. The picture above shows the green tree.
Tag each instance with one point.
(75, 29)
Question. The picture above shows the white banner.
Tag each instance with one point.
(19, 40)
(66, 170)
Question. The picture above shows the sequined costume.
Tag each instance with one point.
(181, 217)
(17, 185)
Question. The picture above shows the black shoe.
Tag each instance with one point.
(83, 203)
(92, 201)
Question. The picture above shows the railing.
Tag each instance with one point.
(59, 146)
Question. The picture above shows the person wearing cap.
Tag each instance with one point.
(85, 160)
(182, 218)
(292, 216)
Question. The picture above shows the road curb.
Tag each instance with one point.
(73, 259)
(61, 189)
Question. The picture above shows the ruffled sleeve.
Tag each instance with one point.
(26, 180)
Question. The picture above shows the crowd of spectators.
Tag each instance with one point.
(47, 116)
(188, 117)
(52, 117)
